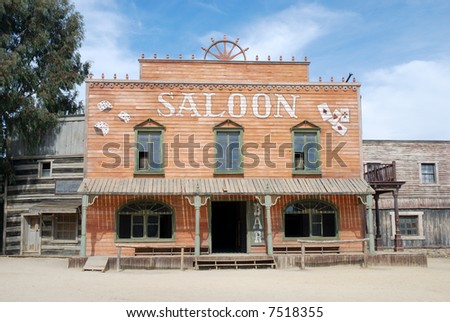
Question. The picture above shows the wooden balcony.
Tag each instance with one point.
(380, 172)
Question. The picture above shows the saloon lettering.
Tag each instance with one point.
(196, 105)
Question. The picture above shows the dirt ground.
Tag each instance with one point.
(49, 279)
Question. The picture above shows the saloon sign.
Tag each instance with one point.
(238, 105)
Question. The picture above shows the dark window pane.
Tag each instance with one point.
(329, 225)
(138, 226)
(152, 231)
(124, 226)
(316, 225)
(296, 225)
(165, 229)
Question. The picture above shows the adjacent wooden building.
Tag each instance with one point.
(221, 156)
(423, 201)
(42, 210)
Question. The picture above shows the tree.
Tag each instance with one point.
(39, 68)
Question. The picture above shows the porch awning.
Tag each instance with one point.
(57, 206)
(224, 186)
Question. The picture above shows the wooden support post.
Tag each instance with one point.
(398, 246)
(302, 261)
(365, 256)
(84, 205)
(378, 238)
(119, 251)
(369, 202)
(197, 205)
(182, 259)
(268, 204)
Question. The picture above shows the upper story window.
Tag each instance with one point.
(45, 169)
(228, 143)
(428, 173)
(306, 148)
(149, 156)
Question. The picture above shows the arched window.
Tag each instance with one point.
(145, 220)
(310, 218)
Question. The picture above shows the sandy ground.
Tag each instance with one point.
(49, 279)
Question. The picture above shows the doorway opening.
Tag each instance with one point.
(228, 227)
(32, 238)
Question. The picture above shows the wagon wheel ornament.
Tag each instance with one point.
(225, 49)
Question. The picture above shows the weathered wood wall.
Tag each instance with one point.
(66, 153)
(101, 221)
(185, 111)
(408, 155)
(433, 200)
(212, 71)
(436, 229)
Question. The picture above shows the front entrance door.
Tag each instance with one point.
(228, 227)
(32, 238)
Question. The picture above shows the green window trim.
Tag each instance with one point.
(312, 216)
(145, 221)
(153, 134)
(232, 163)
(306, 162)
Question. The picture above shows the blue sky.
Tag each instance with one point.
(399, 50)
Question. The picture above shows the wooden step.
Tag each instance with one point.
(96, 263)
(239, 262)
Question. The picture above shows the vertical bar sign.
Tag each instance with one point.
(257, 224)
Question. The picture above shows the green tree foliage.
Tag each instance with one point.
(39, 67)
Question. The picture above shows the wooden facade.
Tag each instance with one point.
(423, 199)
(42, 207)
(192, 105)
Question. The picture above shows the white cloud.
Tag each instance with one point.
(105, 44)
(288, 32)
(408, 101)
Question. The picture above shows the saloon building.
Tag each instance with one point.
(220, 155)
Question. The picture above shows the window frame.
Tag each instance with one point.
(145, 222)
(310, 219)
(420, 231)
(138, 130)
(296, 131)
(41, 169)
(55, 227)
(240, 169)
(435, 174)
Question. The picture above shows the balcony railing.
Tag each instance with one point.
(380, 172)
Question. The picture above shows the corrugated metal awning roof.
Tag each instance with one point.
(57, 206)
(221, 186)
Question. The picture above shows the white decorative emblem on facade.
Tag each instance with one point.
(124, 116)
(336, 118)
(102, 126)
(104, 105)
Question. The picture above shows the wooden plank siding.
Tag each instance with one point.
(101, 221)
(408, 155)
(232, 71)
(431, 200)
(189, 100)
(113, 154)
(64, 148)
